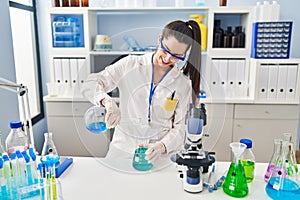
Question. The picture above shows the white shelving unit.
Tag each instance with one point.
(226, 121)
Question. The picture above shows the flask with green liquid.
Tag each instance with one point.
(235, 183)
(248, 160)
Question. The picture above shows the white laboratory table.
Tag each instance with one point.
(96, 178)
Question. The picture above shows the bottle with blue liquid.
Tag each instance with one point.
(94, 119)
(284, 180)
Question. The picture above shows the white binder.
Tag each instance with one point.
(57, 70)
(282, 81)
(74, 72)
(65, 63)
(231, 79)
(82, 70)
(223, 70)
(263, 75)
(241, 87)
(215, 87)
(291, 82)
(272, 84)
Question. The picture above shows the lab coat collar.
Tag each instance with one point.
(171, 76)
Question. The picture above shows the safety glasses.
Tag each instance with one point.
(175, 57)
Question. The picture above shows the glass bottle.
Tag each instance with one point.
(223, 3)
(248, 160)
(218, 34)
(276, 153)
(2, 150)
(235, 183)
(49, 152)
(16, 139)
(283, 185)
(84, 3)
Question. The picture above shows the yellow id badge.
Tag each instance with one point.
(170, 104)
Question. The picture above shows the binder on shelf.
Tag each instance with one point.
(291, 82)
(223, 69)
(65, 63)
(282, 81)
(231, 78)
(272, 83)
(240, 87)
(57, 70)
(215, 86)
(82, 71)
(263, 75)
(74, 72)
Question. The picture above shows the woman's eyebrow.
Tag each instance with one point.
(170, 50)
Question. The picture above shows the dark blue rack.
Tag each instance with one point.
(271, 40)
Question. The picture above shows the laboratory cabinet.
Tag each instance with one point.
(263, 123)
(65, 121)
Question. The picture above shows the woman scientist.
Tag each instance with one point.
(154, 93)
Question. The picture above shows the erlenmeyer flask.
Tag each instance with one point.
(291, 155)
(283, 185)
(94, 119)
(49, 152)
(235, 183)
(276, 153)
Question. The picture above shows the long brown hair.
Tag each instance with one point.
(188, 33)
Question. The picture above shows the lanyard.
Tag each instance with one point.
(153, 87)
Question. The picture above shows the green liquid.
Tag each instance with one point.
(235, 184)
(249, 170)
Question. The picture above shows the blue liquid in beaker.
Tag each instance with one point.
(139, 161)
(97, 127)
(287, 189)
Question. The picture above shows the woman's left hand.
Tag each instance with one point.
(154, 151)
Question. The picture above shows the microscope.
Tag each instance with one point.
(193, 161)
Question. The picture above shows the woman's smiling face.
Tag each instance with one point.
(170, 51)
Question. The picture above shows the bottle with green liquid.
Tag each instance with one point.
(235, 183)
(248, 160)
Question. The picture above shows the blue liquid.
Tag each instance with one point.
(97, 127)
(50, 159)
(139, 161)
(287, 189)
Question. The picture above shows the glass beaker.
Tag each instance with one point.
(49, 152)
(139, 161)
(276, 153)
(235, 183)
(283, 185)
(94, 119)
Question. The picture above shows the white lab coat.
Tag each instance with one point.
(132, 75)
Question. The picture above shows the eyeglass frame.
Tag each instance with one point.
(166, 50)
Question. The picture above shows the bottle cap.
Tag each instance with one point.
(247, 142)
(26, 157)
(32, 154)
(15, 124)
(5, 157)
(202, 94)
(13, 156)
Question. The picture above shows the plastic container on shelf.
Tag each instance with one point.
(67, 31)
(16, 139)
(203, 29)
(200, 3)
(248, 160)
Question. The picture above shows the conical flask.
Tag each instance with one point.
(275, 156)
(235, 183)
(49, 152)
(94, 119)
(283, 184)
(291, 154)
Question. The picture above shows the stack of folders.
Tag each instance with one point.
(228, 79)
(277, 82)
(69, 74)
